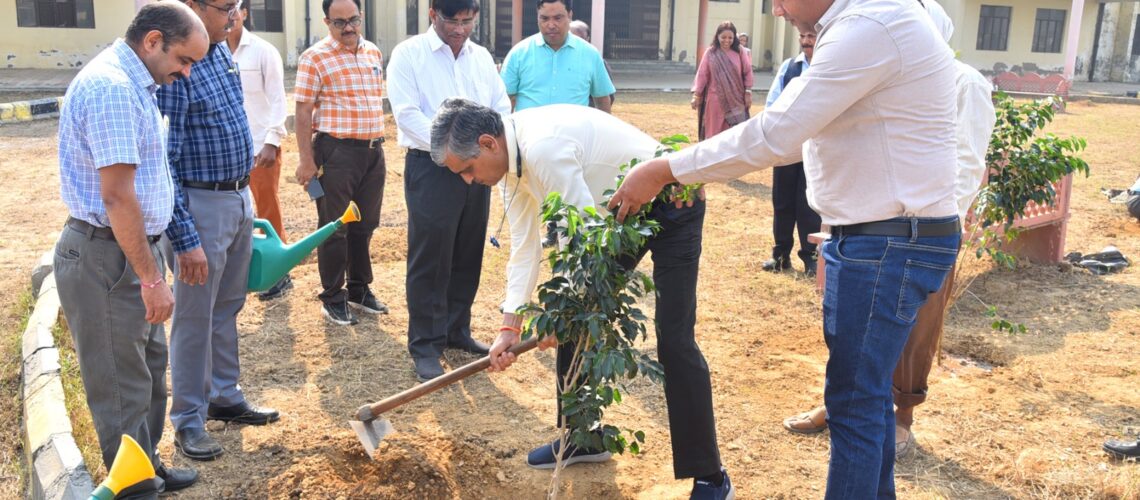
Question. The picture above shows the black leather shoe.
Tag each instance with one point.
(1123, 449)
(809, 268)
(470, 345)
(196, 444)
(176, 479)
(243, 413)
(147, 489)
(427, 368)
(280, 289)
(776, 264)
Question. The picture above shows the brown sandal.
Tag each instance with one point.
(810, 422)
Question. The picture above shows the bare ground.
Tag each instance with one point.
(1009, 416)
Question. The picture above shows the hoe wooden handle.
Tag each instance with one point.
(373, 410)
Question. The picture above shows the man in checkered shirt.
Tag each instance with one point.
(211, 153)
(340, 128)
(117, 188)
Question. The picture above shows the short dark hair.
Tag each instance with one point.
(327, 3)
(568, 3)
(457, 127)
(452, 8)
(173, 21)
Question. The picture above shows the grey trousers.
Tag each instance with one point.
(122, 358)
(203, 336)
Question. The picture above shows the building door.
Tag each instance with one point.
(632, 30)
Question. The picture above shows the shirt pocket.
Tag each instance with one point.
(251, 81)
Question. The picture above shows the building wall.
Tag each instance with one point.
(47, 48)
(1018, 53)
(1115, 61)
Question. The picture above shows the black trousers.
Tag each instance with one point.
(688, 390)
(351, 173)
(791, 212)
(447, 224)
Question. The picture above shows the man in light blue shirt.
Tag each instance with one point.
(117, 187)
(552, 67)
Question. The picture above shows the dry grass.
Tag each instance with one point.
(12, 465)
(75, 399)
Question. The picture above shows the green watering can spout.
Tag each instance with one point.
(272, 260)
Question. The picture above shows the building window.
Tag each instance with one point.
(1136, 38)
(265, 15)
(993, 27)
(413, 18)
(55, 13)
(1048, 29)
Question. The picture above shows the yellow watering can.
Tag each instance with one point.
(272, 259)
(131, 466)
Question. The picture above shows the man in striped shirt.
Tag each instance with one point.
(340, 128)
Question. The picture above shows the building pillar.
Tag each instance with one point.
(516, 22)
(1071, 48)
(778, 49)
(598, 24)
(702, 20)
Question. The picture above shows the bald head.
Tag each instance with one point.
(173, 20)
(580, 29)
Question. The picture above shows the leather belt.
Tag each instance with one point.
(103, 233)
(418, 152)
(237, 185)
(363, 143)
(899, 228)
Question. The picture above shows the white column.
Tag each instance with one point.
(598, 24)
(1075, 14)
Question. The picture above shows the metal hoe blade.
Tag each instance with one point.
(371, 432)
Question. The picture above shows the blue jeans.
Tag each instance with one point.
(875, 286)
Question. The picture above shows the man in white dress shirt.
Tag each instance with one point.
(577, 151)
(877, 110)
(447, 218)
(263, 86)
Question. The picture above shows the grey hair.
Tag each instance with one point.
(457, 127)
(579, 24)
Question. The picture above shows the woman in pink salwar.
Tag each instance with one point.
(722, 93)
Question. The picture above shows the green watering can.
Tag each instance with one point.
(272, 259)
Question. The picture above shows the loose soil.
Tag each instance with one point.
(1019, 416)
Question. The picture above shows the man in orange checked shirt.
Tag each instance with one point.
(340, 128)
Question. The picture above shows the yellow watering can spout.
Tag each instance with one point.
(351, 214)
(272, 259)
(132, 466)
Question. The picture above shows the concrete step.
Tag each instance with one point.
(649, 66)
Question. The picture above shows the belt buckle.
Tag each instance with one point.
(373, 143)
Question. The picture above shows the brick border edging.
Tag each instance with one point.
(56, 470)
(23, 111)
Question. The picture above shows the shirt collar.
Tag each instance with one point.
(512, 142)
(337, 46)
(134, 67)
(435, 42)
(837, 7)
(246, 39)
(570, 42)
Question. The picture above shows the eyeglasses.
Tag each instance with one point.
(462, 23)
(341, 23)
(230, 12)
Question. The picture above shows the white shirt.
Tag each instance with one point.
(567, 148)
(878, 107)
(263, 85)
(976, 120)
(422, 73)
